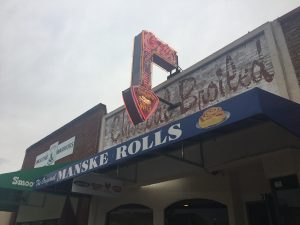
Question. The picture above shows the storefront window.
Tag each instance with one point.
(131, 214)
(196, 212)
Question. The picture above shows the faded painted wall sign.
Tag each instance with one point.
(243, 67)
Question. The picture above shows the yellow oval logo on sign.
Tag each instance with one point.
(212, 117)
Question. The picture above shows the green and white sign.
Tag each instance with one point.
(55, 152)
(24, 180)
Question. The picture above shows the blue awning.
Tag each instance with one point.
(234, 113)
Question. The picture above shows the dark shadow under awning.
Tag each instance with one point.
(247, 109)
(13, 184)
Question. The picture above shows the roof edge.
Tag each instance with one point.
(95, 108)
(289, 15)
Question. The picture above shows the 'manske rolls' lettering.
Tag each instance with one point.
(129, 149)
(81, 167)
(145, 143)
(148, 142)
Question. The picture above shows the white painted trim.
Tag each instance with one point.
(286, 63)
(279, 74)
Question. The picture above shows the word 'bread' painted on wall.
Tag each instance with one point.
(244, 67)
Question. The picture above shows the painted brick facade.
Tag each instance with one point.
(290, 24)
(86, 129)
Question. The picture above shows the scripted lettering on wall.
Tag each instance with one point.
(240, 69)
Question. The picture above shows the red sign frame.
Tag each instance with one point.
(140, 101)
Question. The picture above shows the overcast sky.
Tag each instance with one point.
(59, 58)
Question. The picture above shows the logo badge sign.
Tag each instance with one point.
(212, 116)
(140, 101)
(95, 184)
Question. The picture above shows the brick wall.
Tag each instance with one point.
(290, 24)
(86, 128)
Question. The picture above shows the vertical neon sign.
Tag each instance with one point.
(140, 101)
